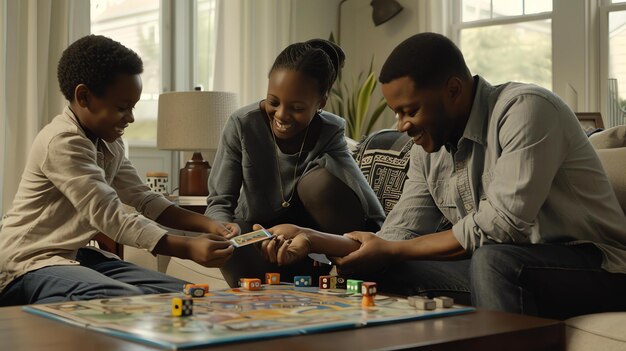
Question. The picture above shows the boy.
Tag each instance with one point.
(74, 185)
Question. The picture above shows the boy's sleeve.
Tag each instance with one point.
(70, 164)
(133, 192)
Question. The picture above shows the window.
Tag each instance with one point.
(135, 24)
(205, 42)
(506, 40)
(616, 87)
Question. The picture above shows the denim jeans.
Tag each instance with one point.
(96, 277)
(548, 280)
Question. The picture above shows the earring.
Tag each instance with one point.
(319, 110)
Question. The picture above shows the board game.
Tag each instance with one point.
(234, 315)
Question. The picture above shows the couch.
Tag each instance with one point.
(383, 158)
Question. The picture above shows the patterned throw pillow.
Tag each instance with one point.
(383, 157)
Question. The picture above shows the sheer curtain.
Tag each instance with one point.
(33, 34)
(250, 34)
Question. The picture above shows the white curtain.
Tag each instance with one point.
(250, 35)
(33, 34)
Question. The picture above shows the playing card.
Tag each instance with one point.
(250, 238)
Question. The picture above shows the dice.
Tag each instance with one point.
(252, 284)
(196, 290)
(422, 303)
(341, 283)
(272, 278)
(300, 281)
(368, 289)
(354, 286)
(182, 306)
(328, 282)
(443, 301)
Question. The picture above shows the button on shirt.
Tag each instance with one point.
(523, 172)
(70, 190)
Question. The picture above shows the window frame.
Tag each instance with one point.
(606, 7)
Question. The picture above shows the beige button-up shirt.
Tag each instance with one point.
(523, 172)
(70, 190)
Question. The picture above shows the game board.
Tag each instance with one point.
(233, 315)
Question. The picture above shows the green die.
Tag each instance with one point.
(354, 286)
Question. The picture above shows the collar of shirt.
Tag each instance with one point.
(67, 112)
(478, 121)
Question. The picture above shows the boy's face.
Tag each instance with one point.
(107, 116)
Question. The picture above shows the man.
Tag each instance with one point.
(506, 199)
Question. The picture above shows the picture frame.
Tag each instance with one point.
(590, 121)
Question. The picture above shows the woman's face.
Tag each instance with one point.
(291, 103)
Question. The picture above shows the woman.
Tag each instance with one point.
(285, 160)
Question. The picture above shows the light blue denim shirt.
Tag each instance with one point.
(523, 172)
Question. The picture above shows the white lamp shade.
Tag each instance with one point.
(193, 120)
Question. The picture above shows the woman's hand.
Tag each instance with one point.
(289, 244)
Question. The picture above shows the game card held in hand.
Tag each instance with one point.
(251, 238)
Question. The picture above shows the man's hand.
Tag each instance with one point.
(289, 244)
(374, 255)
(210, 250)
(227, 230)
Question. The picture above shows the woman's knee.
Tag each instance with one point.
(331, 203)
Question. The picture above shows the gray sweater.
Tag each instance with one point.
(243, 184)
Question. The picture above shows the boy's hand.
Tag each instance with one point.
(290, 244)
(210, 250)
(227, 230)
(374, 255)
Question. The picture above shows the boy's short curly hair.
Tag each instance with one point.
(95, 61)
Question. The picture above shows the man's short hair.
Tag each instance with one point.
(430, 59)
(95, 61)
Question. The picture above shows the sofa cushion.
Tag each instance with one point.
(611, 148)
(601, 331)
(383, 157)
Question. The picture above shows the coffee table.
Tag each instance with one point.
(482, 330)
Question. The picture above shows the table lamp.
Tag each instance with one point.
(193, 121)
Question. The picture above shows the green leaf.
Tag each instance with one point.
(375, 116)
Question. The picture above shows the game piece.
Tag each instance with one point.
(354, 286)
(272, 278)
(444, 301)
(368, 301)
(368, 289)
(411, 299)
(182, 306)
(341, 283)
(251, 284)
(328, 282)
(196, 290)
(302, 280)
(425, 304)
(250, 238)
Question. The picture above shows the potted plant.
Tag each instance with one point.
(352, 101)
